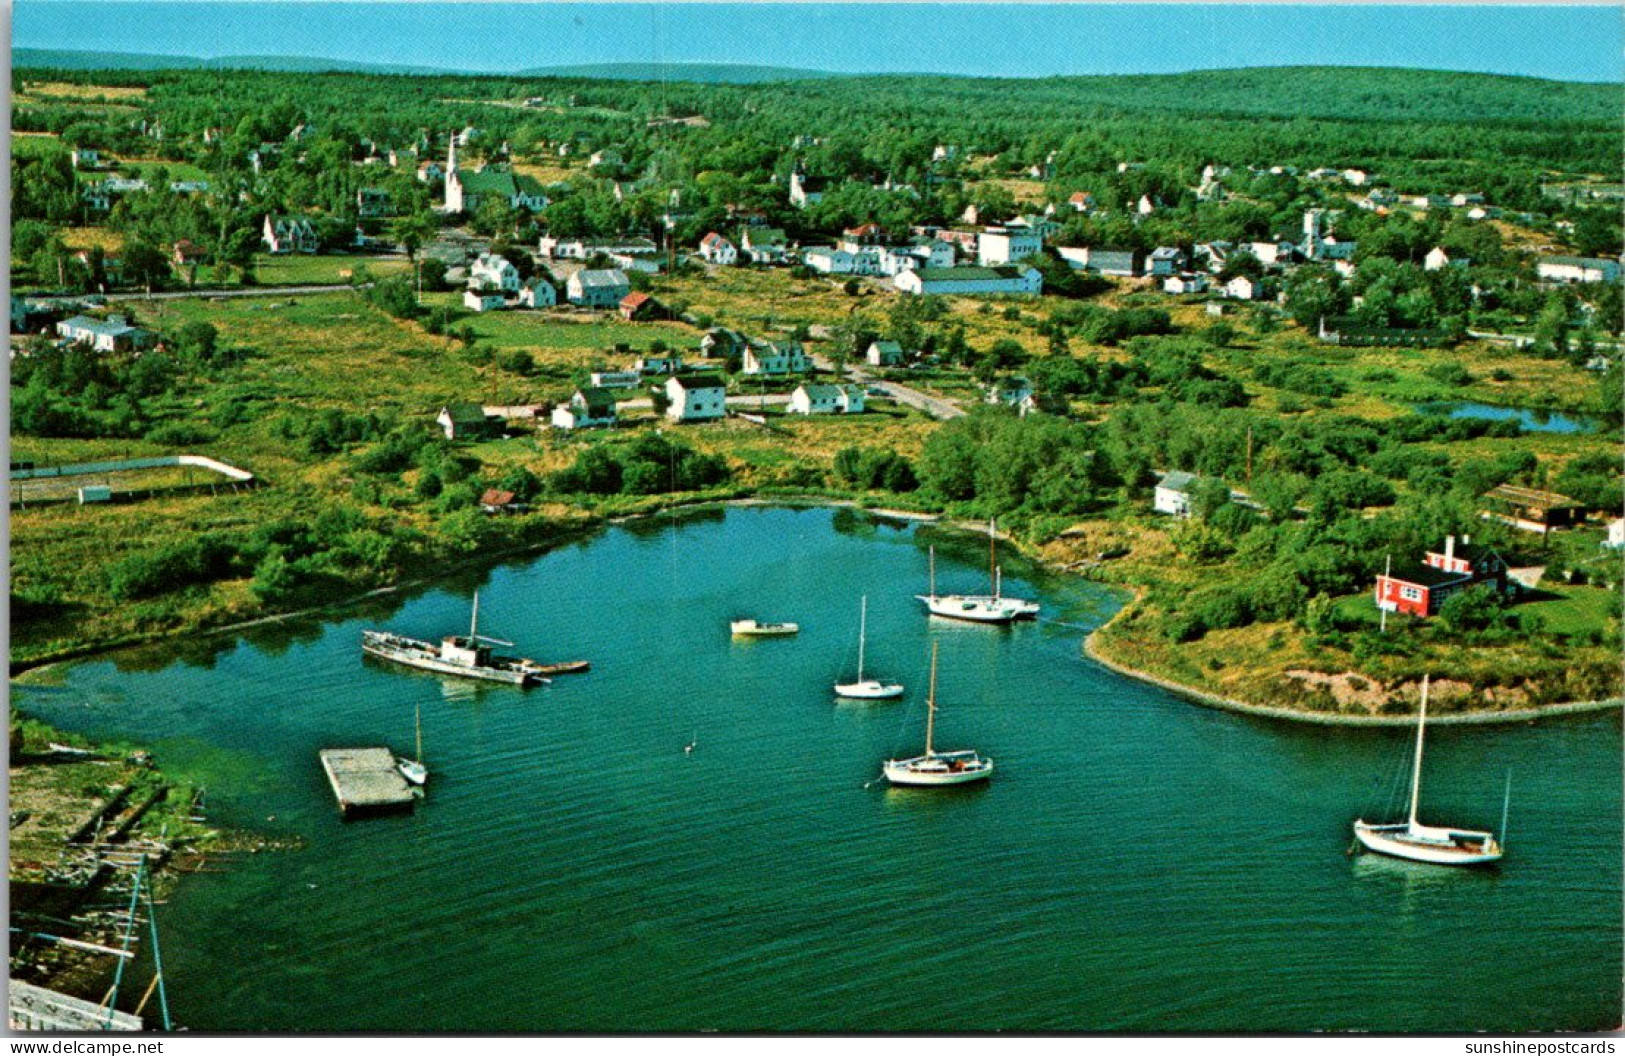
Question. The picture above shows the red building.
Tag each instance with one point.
(1421, 589)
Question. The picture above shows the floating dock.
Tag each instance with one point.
(366, 781)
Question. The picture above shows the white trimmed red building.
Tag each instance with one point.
(1421, 589)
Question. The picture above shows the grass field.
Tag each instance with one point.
(302, 269)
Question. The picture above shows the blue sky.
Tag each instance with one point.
(1562, 42)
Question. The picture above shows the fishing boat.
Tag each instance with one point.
(959, 767)
(866, 688)
(758, 629)
(467, 656)
(979, 608)
(1427, 843)
(413, 769)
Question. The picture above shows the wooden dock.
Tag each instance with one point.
(366, 781)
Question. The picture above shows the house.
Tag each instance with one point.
(495, 500)
(606, 159)
(776, 359)
(583, 248)
(827, 260)
(592, 408)
(465, 190)
(289, 234)
(616, 379)
(598, 289)
(720, 343)
(1356, 177)
(1531, 510)
(86, 159)
(766, 245)
(638, 307)
(1421, 589)
(493, 272)
(1243, 288)
(1196, 283)
(430, 172)
(696, 398)
(1006, 245)
(1616, 534)
(932, 281)
(1167, 260)
(1081, 201)
(1173, 493)
(1437, 260)
(658, 364)
(115, 334)
(538, 293)
(484, 300)
(1577, 269)
(826, 399)
(187, 252)
(1123, 263)
(467, 421)
(718, 250)
(1145, 206)
(1015, 393)
(884, 354)
(372, 201)
(1276, 254)
(805, 190)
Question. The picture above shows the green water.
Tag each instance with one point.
(1136, 863)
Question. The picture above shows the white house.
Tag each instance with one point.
(1123, 263)
(697, 398)
(718, 250)
(1436, 259)
(483, 301)
(538, 293)
(592, 408)
(1015, 281)
(1185, 284)
(776, 359)
(1173, 494)
(597, 289)
(1616, 534)
(115, 334)
(1577, 269)
(827, 260)
(826, 399)
(289, 234)
(1006, 245)
(491, 271)
(804, 189)
(616, 379)
(766, 245)
(884, 354)
(1242, 288)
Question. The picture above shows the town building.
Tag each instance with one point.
(114, 334)
(1121, 263)
(467, 421)
(884, 354)
(637, 307)
(716, 249)
(493, 272)
(776, 359)
(289, 234)
(1016, 281)
(766, 245)
(998, 246)
(598, 289)
(1577, 269)
(590, 408)
(696, 398)
(477, 300)
(826, 399)
(1172, 494)
(538, 293)
(1531, 510)
(1421, 589)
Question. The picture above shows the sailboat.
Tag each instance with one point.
(938, 768)
(468, 656)
(866, 688)
(979, 608)
(1426, 843)
(413, 769)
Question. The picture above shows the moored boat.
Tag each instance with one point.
(959, 767)
(466, 656)
(866, 688)
(979, 608)
(759, 629)
(1429, 843)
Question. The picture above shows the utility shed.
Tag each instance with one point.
(366, 781)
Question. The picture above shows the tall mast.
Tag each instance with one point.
(1506, 802)
(474, 624)
(993, 555)
(863, 628)
(931, 702)
(1416, 768)
(417, 724)
(933, 589)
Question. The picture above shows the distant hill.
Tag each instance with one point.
(48, 58)
(694, 72)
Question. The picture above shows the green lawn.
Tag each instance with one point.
(300, 269)
(1575, 610)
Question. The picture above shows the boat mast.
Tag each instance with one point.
(417, 724)
(474, 624)
(931, 702)
(933, 588)
(1416, 767)
(1506, 802)
(993, 556)
(863, 627)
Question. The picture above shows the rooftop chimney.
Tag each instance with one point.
(1449, 549)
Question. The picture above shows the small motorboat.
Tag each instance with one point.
(758, 629)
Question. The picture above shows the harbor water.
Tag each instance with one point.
(1136, 863)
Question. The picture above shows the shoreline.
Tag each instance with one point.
(1088, 646)
(1202, 698)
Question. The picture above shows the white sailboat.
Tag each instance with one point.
(413, 769)
(866, 688)
(959, 767)
(1427, 843)
(979, 608)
